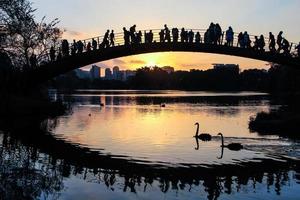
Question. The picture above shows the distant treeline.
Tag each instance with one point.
(277, 79)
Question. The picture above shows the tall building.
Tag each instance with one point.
(116, 73)
(108, 74)
(95, 72)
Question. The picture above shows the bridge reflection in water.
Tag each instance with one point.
(50, 70)
(39, 165)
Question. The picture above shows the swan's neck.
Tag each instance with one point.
(197, 131)
(222, 138)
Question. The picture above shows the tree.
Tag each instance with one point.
(23, 35)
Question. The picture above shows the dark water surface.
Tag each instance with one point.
(132, 148)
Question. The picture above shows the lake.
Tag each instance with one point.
(132, 144)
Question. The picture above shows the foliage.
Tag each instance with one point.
(23, 35)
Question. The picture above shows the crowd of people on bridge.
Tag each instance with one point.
(212, 36)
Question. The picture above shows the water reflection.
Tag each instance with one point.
(60, 159)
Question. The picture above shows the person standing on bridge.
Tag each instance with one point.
(167, 34)
(198, 37)
(298, 49)
(126, 36)
(161, 36)
(52, 54)
(105, 40)
(261, 43)
(191, 35)
(272, 42)
(175, 34)
(150, 34)
(229, 37)
(240, 42)
(89, 47)
(218, 34)
(80, 46)
(286, 47)
(279, 41)
(65, 48)
(132, 34)
(94, 44)
(112, 38)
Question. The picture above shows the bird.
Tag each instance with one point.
(162, 105)
(101, 104)
(202, 136)
(90, 115)
(231, 146)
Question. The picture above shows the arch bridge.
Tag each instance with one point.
(51, 69)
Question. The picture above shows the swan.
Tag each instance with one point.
(202, 136)
(231, 146)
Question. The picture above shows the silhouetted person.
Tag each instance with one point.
(132, 33)
(74, 48)
(279, 41)
(161, 36)
(286, 47)
(247, 41)
(198, 38)
(212, 33)
(65, 48)
(94, 44)
(182, 33)
(112, 38)
(106, 40)
(272, 42)
(175, 34)
(150, 36)
(33, 61)
(191, 36)
(167, 33)
(89, 47)
(218, 34)
(261, 43)
(229, 37)
(298, 49)
(80, 46)
(126, 36)
(139, 37)
(240, 40)
(52, 54)
(256, 43)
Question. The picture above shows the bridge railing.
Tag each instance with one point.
(119, 40)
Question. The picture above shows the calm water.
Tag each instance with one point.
(132, 148)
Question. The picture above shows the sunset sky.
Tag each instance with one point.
(89, 18)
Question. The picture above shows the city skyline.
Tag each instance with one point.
(257, 18)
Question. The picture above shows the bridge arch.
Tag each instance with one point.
(68, 63)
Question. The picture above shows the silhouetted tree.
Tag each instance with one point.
(24, 36)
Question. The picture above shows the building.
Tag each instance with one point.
(129, 73)
(82, 74)
(168, 69)
(95, 72)
(116, 74)
(108, 74)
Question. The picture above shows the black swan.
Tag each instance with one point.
(202, 136)
(231, 146)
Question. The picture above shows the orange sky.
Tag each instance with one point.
(181, 61)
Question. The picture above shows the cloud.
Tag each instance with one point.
(119, 62)
(141, 62)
